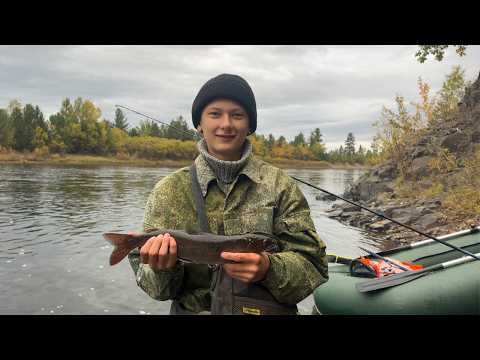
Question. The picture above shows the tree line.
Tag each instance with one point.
(79, 128)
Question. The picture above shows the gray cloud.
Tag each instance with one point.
(298, 88)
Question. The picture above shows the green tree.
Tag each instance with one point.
(350, 145)
(178, 129)
(120, 120)
(299, 140)
(149, 128)
(438, 51)
(134, 132)
(451, 93)
(6, 130)
(315, 137)
(360, 155)
(23, 129)
(270, 142)
(281, 142)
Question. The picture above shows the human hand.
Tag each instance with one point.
(160, 252)
(248, 267)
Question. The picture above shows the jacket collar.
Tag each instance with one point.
(205, 173)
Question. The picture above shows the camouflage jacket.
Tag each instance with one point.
(261, 198)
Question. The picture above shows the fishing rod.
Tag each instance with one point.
(338, 197)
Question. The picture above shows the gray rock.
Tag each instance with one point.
(427, 221)
(368, 190)
(387, 172)
(335, 213)
(419, 152)
(381, 225)
(459, 140)
(419, 167)
(325, 197)
(348, 208)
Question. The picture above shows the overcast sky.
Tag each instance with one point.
(298, 88)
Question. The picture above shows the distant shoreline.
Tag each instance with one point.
(75, 159)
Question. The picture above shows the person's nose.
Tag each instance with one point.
(226, 121)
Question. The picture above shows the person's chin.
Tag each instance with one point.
(226, 151)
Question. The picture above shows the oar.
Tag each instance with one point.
(384, 259)
(417, 244)
(398, 279)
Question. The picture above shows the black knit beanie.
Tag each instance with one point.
(226, 86)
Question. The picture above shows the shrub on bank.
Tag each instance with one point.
(154, 148)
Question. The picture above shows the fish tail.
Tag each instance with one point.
(121, 244)
(118, 254)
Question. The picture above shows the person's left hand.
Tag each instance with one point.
(248, 267)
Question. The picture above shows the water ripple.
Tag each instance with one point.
(53, 225)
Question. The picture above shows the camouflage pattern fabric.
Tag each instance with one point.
(262, 198)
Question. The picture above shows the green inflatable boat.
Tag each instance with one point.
(449, 283)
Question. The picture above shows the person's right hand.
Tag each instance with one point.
(160, 252)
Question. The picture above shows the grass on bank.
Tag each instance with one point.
(43, 157)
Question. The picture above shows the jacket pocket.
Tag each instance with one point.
(260, 220)
(250, 306)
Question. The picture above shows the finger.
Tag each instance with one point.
(172, 250)
(153, 251)
(144, 251)
(241, 276)
(241, 257)
(163, 252)
(241, 269)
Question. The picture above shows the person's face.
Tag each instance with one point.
(225, 125)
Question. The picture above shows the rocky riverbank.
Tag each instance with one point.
(413, 198)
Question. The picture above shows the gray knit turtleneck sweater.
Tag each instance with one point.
(226, 171)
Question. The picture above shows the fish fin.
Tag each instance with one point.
(118, 254)
(117, 239)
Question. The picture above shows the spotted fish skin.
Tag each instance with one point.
(199, 248)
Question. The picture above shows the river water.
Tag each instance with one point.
(53, 259)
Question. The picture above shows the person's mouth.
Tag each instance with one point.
(226, 137)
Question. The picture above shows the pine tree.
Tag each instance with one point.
(299, 140)
(270, 142)
(350, 145)
(120, 120)
(315, 137)
(6, 129)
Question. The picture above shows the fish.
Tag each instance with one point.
(199, 248)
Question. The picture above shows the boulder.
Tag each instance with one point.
(428, 221)
(381, 225)
(326, 197)
(335, 213)
(419, 167)
(456, 141)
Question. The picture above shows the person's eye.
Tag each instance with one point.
(238, 115)
(214, 113)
